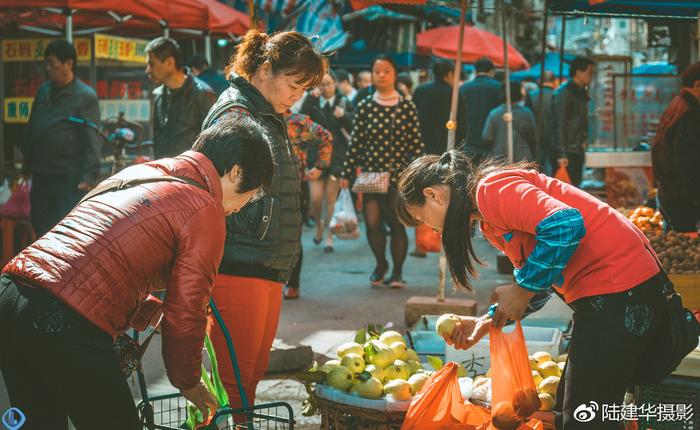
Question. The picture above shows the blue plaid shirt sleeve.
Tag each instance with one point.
(558, 236)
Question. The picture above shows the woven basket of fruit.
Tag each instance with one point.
(680, 257)
(341, 416)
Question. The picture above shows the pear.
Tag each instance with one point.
(327, 367)
(349, 347)
(561, 365)
(549, 386)
(398, 389)
(414, 366)
(389, 337)
(542, 357)
(562, 358)
(398, 370)
(549, 368)
(354, 362)
(534, 364)
(446, 324)
(417, 381)
(340, 378)
(399, 349)
(537, 377)
(368, 386)
(547, 402)
(383, 355)
(411, 355)
(376, 371)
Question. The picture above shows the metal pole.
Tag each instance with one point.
(561, 48)
(452, 134)
(540, 102)
(166, 31)
(508, 116)
(2, 120)
(93, 65)
(207, 47)
(69, 24)
(253, 14)
(452, 124)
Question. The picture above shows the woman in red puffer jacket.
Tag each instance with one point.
(65, 298)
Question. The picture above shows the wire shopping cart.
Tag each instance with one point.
(169, 412)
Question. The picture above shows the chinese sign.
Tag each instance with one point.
(602, 120)
(134, 110)
(120, 49)
(33, 49)
(16, 109)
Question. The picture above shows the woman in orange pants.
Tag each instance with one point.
(258, 302)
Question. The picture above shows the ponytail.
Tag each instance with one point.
(250, 54)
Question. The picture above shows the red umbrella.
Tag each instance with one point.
(152, 9)
(442, 42)
(225, 19)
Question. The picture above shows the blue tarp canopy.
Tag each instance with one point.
(670, 8)
(377, 12)
(660, 68)
(551, 63)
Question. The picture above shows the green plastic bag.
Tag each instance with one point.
(213, 384)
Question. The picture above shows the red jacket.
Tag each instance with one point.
(109, 252)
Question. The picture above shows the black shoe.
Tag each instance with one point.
(317, 241)
(328, 249)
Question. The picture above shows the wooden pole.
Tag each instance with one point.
(508, 116)
(538, 150)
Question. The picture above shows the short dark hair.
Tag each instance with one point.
(238, 141)
(342, 75)
(483, 65)
(579, 64)
(164, 47)
(691, 75)
(405, 79)
(442, 67)
(516, 92)
(388, 59)
(62, 50)
(198, 61)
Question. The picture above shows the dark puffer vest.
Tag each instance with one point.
(264, 239)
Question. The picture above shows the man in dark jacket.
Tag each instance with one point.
(570, 115)
(63, 158)
(181, 101)
(432, 101)
(480, 96)
(540, 103)
(66, 297)
(676, 155)
(199, 67)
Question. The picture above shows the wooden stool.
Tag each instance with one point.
(26, 236)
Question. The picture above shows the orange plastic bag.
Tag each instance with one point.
(427, 240)
(563, 175)
(513, 393)
(440, 405)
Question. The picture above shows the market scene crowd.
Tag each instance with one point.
(282, 140)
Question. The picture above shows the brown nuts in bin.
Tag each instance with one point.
(526, 402)
(503, 417)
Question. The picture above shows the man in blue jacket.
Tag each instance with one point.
(480, 96)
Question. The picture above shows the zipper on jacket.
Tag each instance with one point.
(267, 219)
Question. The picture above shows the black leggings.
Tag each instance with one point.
(379, 210)
(56, 365)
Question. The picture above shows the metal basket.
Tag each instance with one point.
(169, 412)
(672, 390)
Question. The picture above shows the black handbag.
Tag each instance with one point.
(676, 338)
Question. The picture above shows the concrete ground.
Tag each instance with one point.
(336, 300)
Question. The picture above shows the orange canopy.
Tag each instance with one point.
(224, 19)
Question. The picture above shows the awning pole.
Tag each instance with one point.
(540, 101)
(69, 24)
(207, 47)
(508, 116)
(561, 49)
(452, 134)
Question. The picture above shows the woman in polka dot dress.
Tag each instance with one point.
(385, 137)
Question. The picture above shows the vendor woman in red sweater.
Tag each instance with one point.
(561, 240)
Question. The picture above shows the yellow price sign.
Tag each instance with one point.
(120, 49)
(17, 109)
(33, 49)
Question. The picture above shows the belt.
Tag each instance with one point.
(656, 286)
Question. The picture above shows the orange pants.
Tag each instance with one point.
(250, 308)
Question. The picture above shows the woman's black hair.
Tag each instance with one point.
(388, 59)
(455, 169)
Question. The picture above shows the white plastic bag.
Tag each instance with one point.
(344, 224)
(5, 192)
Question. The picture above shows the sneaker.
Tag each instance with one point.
(377, 278)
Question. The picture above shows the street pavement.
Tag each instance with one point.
(336, 300)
